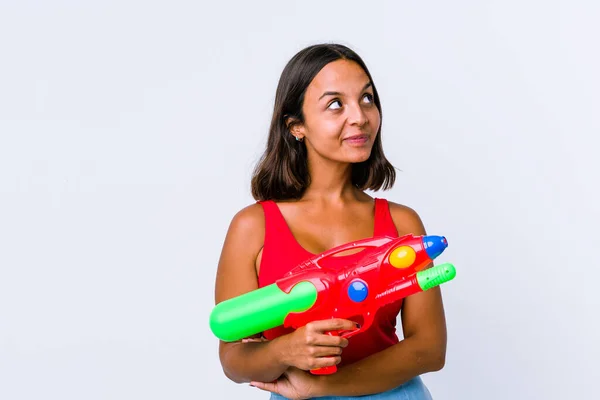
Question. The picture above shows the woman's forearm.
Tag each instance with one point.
(254, 361)
(385, 370)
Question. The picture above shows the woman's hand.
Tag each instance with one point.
(294, 384)
(310, 347)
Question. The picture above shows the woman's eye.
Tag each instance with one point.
(368, 97)
(331, 105)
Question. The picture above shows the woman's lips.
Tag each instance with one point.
(357, 140)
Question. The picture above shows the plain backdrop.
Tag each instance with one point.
(129, 130)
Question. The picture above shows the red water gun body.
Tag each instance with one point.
(378, 271)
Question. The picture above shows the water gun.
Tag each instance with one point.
(379, 271)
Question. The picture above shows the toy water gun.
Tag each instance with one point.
(379, 271)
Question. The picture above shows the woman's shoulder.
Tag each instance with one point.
(406, 219)
(250, 218)
(246, 232)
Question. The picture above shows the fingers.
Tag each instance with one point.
(322, 362)
(333, 324)
(267, 386)
(320, 339)
(314, 333)
(325, 351)
(251, 340)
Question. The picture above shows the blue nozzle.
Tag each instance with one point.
(434, 245)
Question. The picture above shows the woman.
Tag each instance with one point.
(324, 150)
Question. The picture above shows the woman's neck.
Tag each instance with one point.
(330, 182)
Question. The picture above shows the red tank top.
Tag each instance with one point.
(281, 253)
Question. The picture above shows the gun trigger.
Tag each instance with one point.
(347, 334)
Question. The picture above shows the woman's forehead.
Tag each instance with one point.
(339, 76)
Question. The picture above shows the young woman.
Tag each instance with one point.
(324, 150)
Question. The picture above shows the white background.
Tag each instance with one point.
(128, 131)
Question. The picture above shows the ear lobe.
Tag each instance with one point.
(297, 130)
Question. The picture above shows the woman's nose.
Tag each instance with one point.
(356, 115)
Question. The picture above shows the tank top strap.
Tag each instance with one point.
(384, 224)
(275, 225)
(280, 250)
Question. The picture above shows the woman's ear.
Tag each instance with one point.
(295, 127)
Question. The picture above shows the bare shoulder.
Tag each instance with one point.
(249, 220)
(406, 219)
(236, 273)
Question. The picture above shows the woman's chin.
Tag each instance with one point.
(359, 156)
(350, 157)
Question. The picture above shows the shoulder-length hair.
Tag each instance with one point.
(282, 171)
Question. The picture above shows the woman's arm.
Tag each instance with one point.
(422, 350)
(236, 275)
(306, 348)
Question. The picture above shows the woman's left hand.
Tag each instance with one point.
(295, 384)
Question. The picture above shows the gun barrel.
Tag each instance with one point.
(259, 310)
(435, 276)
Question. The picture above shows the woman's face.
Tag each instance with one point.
(341, 118)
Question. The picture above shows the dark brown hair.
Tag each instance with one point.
(282, 171)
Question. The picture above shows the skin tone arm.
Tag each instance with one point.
(265, 361)
(236, 275)
(422, 350)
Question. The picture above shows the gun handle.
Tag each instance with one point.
(326, 370)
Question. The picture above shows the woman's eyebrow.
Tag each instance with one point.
(339, 93)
